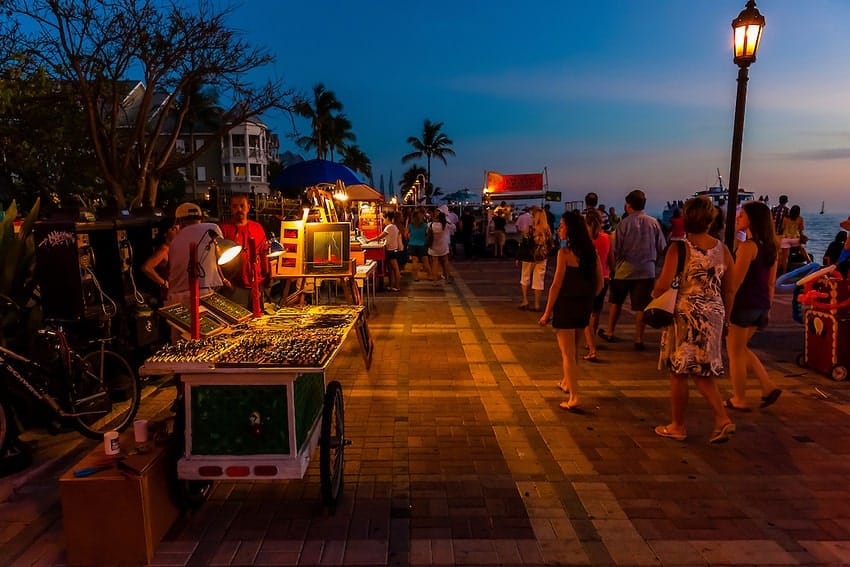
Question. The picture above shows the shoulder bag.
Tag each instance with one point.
(659, 312)
(429, 237)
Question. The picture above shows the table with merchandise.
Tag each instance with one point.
(255, 402)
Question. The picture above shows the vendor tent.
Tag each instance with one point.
(362, 192)
(314, 172)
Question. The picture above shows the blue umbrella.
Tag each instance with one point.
(313, 172)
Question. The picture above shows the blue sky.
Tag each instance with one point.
(607, 96)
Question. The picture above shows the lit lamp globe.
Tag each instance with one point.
(748, 27)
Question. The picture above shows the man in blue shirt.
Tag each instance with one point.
(638, 244)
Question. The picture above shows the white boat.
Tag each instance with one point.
(719, 195)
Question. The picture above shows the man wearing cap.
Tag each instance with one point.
(243, 231)
(189, 217)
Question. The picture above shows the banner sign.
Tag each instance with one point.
(498, 183)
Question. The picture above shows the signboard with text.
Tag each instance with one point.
(518, 183)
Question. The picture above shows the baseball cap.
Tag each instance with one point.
(188, 211)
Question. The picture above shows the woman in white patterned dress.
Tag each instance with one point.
(692, 346)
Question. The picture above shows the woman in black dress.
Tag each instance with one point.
(578, 279)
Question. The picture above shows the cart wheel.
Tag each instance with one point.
(801, 360)
(193, 493)
(838, 372)
(332, 444)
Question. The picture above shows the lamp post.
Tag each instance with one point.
(747, 28)
(419, 185)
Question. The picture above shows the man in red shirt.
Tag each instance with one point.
(251, 236)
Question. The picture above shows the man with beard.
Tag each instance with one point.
(250, 235)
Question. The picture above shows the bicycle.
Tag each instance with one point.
(94, 392)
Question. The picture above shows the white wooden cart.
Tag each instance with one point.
(247, 420)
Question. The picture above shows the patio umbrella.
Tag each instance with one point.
(313, 172)
(362, 192)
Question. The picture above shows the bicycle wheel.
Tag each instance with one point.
(6, 433)
(105, 395)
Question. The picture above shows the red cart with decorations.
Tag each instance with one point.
(827, 320)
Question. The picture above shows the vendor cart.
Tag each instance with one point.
(255, 400)
(826, 296)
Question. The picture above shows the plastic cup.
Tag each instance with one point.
(140, 430)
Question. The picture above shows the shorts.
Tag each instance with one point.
(499, 237)
(639, 292)
(418, 251)
(393, 254)
(533, 273)
(749, 317)
(786, 243)
(599, 300)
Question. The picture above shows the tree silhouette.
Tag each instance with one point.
(433, 144)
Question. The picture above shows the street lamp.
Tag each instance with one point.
(418, 185)
(747, 27)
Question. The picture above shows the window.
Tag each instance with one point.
(237, 141)
(180, 147)
(201, 174)
(239, 170)
(256, 170)
(198, 144)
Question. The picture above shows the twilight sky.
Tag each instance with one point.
(607, 96)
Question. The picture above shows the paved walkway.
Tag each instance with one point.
(461, 456)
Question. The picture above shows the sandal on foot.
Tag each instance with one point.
(590, 357)
(664, 431)
(571, 409)
(729, 405)
(523, 307)
(771, 398)
(607, 338)
(564, 390)
(723, 434)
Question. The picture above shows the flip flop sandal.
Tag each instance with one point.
(590, 357)
(771, 398)
(662, 431)
(723, 434)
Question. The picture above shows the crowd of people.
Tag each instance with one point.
(724, 297)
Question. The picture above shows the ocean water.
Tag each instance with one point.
(821, 230)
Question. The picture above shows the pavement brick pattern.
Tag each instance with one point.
(461, 456)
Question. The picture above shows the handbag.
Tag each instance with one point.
(429, 237)
(660, 311)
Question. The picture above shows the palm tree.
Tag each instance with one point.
(320, 111)
(409, 179)
(354, 158)
(338, 133)
(434, 144)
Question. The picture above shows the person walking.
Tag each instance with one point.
(578, 279)
(691, 347)
(416, 248)
(792, 238)
(499, 235)
(439, 249)
(533, 255)
(753, 276)
(779, 212)
(638, 243)
(602, 244)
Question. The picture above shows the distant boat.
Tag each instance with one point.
(822, 203)
(718, 195)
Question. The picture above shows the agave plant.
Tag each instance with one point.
(17, 258)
